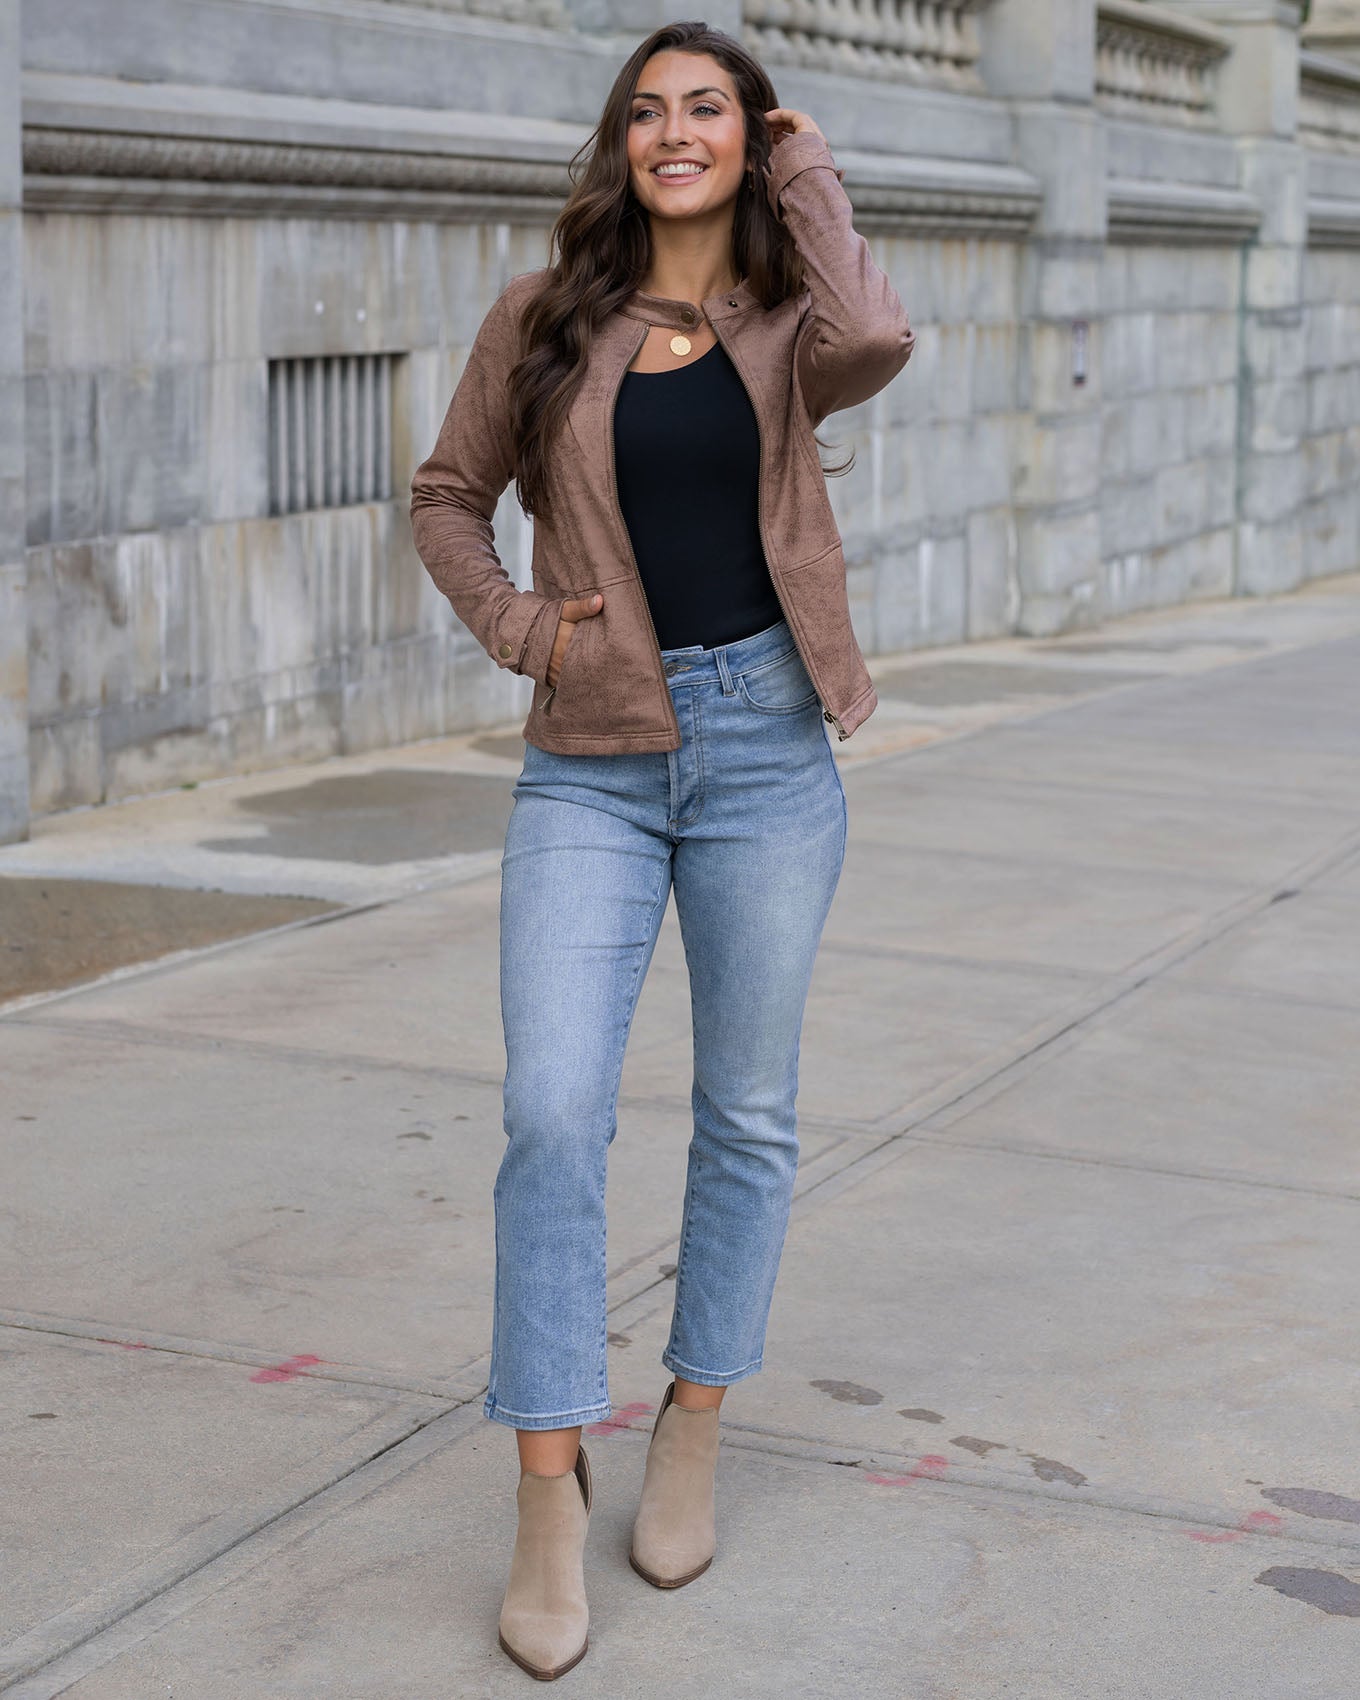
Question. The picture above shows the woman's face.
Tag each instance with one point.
(686, 117)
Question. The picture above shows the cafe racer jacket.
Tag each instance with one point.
(836, 343)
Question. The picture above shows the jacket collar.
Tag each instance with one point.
(683, 315)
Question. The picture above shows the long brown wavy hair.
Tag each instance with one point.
(603, 242)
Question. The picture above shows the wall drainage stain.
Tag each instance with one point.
(1050, 1470)
(1328, 1590)
(849, 1392)
(1312, 1502)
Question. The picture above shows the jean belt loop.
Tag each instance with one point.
(724, 671)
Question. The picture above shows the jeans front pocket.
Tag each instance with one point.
(781, 686)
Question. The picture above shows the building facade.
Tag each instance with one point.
(245, 245)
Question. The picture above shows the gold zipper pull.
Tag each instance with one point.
(547, 701)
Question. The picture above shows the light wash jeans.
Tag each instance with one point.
(747, 821)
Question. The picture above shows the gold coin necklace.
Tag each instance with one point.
(680, 343)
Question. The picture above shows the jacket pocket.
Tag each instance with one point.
(566, 672)
(781, 686)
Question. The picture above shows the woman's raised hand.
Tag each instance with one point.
(784, 121)
(573, 609)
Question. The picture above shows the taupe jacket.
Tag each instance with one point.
(838, 342)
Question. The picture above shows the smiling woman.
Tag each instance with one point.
(654, 393)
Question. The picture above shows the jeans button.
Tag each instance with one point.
(671, 669)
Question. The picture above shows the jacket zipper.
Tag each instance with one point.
(764, 540)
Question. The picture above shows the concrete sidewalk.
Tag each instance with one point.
(1060, 1395)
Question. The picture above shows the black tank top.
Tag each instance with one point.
(687, 460)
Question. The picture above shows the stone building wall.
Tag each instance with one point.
(252, 241)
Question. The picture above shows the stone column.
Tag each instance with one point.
(1258, 105)
(13, 613)
(1039, 55)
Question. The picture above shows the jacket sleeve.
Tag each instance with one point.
(454, 494)
(854, 336)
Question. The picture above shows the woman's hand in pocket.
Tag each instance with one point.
(573, 609)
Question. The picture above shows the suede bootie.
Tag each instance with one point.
(673, 1533)
(544, 1617)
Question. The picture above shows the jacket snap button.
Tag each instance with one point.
(505, 652)
(687, 314)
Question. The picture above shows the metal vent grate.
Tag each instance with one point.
(330, 431)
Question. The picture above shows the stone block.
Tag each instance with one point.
(1273, 414)
(1211, 276)
(1258, 81)
(1114, 441)
(1321, 457)
(65, 764)
(1220, 490)
(1157, 431)
(1159, 275)
(1056, 463)
(919, 597)
(1331, 525)
(1182, 499)
(1128, 353)
(953, 370)
(1272, 278)
(1324, 335)
(77, 615)
(1332, 399)
(1064, 146)
(910, 398)
(1114, 279)
(1128, 516)
(993, 590)
(1068, 285)
(994, 359)
(1272, 486)
(1274, 345)
(1270, 557)
(1210, 419)
(1275, 172)
(1039, 48)
(967, 465)
(1058, 554)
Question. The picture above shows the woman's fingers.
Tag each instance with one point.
(574, 610)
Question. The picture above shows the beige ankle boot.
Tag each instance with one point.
(673, 1534)
(544, 1618)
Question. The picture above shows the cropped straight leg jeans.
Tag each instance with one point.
(747, 822)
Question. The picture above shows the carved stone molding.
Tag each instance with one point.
(1329, 102)
(1333, 223)
(1152, 211)
(416, 166)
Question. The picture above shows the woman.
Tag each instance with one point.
(654, 394)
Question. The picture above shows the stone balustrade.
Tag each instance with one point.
(1329, 102)
(546, 14)
(933, 42)
(1155, 63)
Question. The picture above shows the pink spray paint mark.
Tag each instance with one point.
(288, 1370)
(1253, 1521)
(127, 1345)
(622, 1418)
(931, 1467)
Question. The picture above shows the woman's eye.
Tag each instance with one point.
(643, 111)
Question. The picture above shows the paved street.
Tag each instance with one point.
(1060, 1398)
